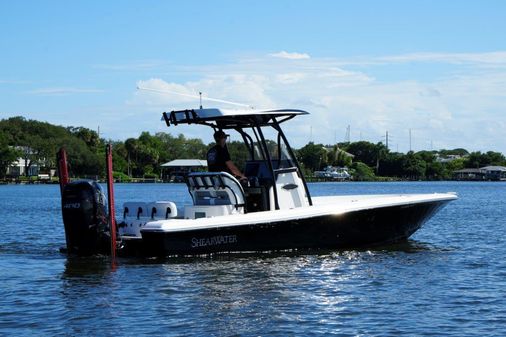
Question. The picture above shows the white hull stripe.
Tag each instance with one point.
(322, 206)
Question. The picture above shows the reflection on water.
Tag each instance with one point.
(448, 279)
(87, 267)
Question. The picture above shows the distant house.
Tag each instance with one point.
(27, 165)
(484, 173)
(332, 148)
(333, 173)
(174, 171)
(495, 172)
(447, 158)
(469, 174)
(18, 168)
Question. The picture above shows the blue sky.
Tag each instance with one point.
(435, 67)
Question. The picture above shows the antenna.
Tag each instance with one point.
(195, 96)
(409, 140)
(200, 95)
(387, 138)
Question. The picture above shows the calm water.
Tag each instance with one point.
(449, 279)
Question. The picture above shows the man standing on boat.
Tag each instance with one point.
(218, 158)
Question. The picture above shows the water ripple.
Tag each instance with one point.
(449, 280)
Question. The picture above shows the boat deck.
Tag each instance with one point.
(327, 205)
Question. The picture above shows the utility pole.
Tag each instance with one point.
(386, 137)
(128, 167)
(409, 140)
(347, 137)
(98, 138)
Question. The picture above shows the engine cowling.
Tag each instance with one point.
(84, 210)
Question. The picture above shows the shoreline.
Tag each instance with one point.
(157, 181)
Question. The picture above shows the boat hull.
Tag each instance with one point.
(353, 229)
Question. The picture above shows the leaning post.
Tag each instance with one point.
(110, 199)
(63, 172)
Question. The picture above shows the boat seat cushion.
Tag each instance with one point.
(215, 188)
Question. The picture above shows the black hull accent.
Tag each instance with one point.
(357, 229)
(84, 217)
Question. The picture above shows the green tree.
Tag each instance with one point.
(8, 155)
(434, 170)
(238, 153)
(145, 155)
(132, 151)
(38, 143)
(362, 172)
(82, 161)
(120, 157)
(338, 157)
(368, 153)
(454, 165)
(89, 136)
(391, 165)
(413, 166)
(313, 156)
(476, 160)
(454, 152)
(495, 158)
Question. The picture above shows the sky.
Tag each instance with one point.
(430, 73)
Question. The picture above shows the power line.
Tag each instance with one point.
(347, 136)
(410, 140)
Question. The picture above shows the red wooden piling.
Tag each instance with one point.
(63, 172)
(110, 199)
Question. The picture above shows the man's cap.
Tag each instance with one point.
(220, 134)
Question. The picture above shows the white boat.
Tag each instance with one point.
(334, 173)
(274, 211)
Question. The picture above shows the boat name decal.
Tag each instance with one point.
(214, 241)
(72, 205)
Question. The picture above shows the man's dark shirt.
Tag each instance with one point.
(217, 156)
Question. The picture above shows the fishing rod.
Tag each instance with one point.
(195, 96)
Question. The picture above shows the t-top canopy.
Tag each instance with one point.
(225, 118)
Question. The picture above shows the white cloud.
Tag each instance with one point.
(135, 66)
(168, 93)
(430, 92)
(497, 58)
(447, 111)
(290, 78)
(63, 91)
(461, 105)
(291, 56)
(13, 82)
(239, 88)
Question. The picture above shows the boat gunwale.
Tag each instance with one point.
(354, 203)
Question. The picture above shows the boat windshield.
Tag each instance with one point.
(276, 147)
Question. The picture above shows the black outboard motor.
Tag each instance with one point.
(85, 218)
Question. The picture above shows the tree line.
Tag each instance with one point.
(372, 161)
(37, 142)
